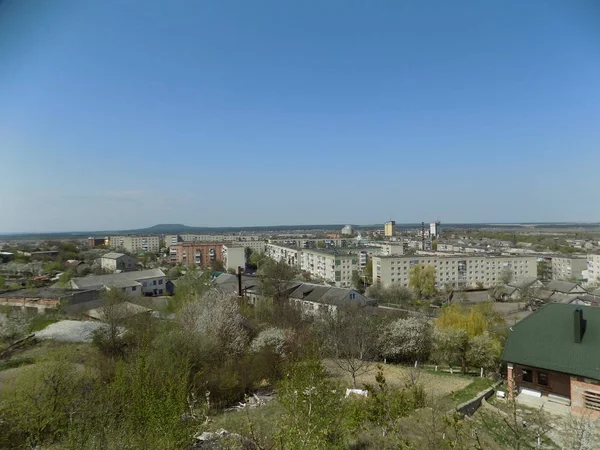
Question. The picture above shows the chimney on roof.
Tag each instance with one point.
(578, 325)
(239, 277)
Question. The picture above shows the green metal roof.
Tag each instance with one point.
(545, 339)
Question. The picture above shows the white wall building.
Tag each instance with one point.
(117, 261)
(234, 256)
(134, 244)
(456, 270)
(347, 230)
(140, 282)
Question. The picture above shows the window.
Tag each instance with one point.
(160, 281)
(160, 291)
(543, 378)
(154, 282)
(528, 375)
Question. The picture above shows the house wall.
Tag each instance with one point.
(582, 389)
(234, 257)
(125, 262)
(155, 286)
(558, 383)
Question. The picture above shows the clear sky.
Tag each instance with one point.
(121, 114)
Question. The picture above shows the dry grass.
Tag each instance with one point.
(437, 385)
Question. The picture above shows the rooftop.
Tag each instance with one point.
(546, 340)
(113, 255)
(562, 286)
(124, 279)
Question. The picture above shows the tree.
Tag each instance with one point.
(42, 401)
(110, 337)
(2, 282)
(217, 266)
(512, 429)
(320, 244)
(312, 408)
(506, 276)
(484, 351)
(451, 346)
(216, 320)
(368, 270)
(64, 278)
(275, 338)
(190, 287)
(174, 273)
(454, 316)
(275, 277)
(351, 341)
(406, 340)
(422, 280)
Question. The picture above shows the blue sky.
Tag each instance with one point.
(124, 114)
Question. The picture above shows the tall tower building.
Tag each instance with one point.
(390, 228)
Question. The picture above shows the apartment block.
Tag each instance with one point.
(290, 255)
(196, 253)
(593, 269)
(256, 243)
(389, 228)
(134, 244)
(567, 267)
(456, 270)
(334, 267)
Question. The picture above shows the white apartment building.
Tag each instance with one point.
(234, 256)
(291, 256)
(457, 270)
(567, 267)
(333, 267)
(593, 269)
(256, 243)
(134, 244)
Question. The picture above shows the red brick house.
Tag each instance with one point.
(555, 353)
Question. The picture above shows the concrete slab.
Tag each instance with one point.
(543, 402)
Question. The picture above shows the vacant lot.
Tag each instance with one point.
(438, 385)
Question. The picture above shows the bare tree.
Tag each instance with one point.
(580, 433)
(112, 313)
(350, 340)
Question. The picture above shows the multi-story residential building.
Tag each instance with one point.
(593, 269)
(332, 266)
(434, 229)
(335, 266)
(567, 267)
(196, 253)
(290, 255)
(234, 256)
(456, 270)
(134, 244)
(95, 242)
(389, 229)
(391, 248)
(256, 243)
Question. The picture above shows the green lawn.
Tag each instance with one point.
(38, 323)
(476, 386)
